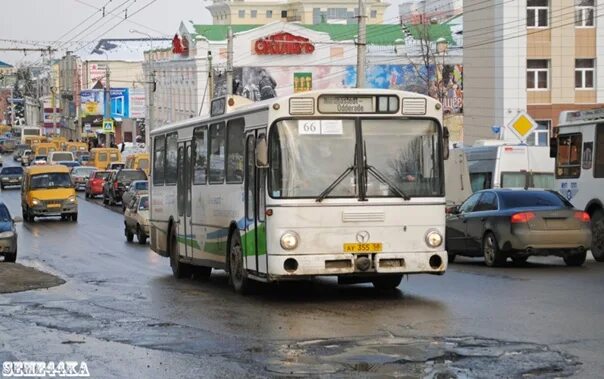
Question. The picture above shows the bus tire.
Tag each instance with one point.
(387, 282)
(179, 270)
(237, 273)
(597, 233)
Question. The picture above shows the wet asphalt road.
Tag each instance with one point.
(123, 313)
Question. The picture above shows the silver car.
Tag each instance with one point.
(80, 176)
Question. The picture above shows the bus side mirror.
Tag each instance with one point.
(445, 143)
(553, 147)
(261, 152)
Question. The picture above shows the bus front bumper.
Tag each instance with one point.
(423, 262)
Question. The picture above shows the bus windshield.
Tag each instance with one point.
(400, 158)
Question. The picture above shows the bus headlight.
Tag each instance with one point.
(289, 240)
(434, 238)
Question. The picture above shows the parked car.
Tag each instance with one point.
(115, 187)
(70, 164)
(134, 188)
(517, 223)
(11, 176)
(8, 235)
(136, 219)
(39, 160)
(94, 185)
(80, 175)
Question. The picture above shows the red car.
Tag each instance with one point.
(94, 185)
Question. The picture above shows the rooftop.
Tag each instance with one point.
(5, 65)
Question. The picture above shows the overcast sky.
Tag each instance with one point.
(40, 21)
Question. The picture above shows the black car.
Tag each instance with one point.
(118, 183)
(11, 176)
(514, 223)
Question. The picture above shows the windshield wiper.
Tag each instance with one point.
(333, 185)
(374, 171)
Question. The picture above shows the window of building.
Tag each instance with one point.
(254, 13)
(171, 167)
(159, 156)
(540, 136)
(584, 73)
(568, 161)
(234, 155)
(537, 74)
(584, 13)
(537, 13)
(217, 153)
(283, 14)
(599, 153)
(269, 14)
(200, 155)
(373, 14)
(242, 13)
(337, 13)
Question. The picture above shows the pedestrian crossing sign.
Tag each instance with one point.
(108, 126)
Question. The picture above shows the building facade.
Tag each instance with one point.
(283, 58)
(535, 56)
(419, 11)
(260, 12)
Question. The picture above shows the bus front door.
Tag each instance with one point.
(184, 198)
(254, 239)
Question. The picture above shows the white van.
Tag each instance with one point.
(510, 166)
(457, 178)
(56, 156)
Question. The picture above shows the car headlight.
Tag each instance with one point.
(5, 178)
(20, 178)
(71, 199)
(8, 234)
(434, 238)
(289, 240)
(35, 202)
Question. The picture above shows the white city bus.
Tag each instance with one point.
(345, 183)
(579, 152)
(29, 131)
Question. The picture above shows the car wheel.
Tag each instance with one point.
(490, 250)
(574, 258)
(10, 257)
(64, 217)
(520, 260)
(387, 282)
(237, 273)
(129, 234)
(140, 235)
(74, 217)
(597, 235)
(179, 270)
(2, 186)
(86, 194)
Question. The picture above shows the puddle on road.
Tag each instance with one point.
(459, 357)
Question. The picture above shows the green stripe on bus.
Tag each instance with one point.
(188, 242)
(249, 239)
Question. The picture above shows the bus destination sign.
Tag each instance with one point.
(346, 104)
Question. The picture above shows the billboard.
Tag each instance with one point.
(120, 103)
(137, 103)
(92, 102)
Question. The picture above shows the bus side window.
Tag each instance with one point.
(159, 148)
(171, 167)
(234, 151)
(599, 153)
(200, 155)
(217, 153)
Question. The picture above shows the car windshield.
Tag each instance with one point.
(132, 175)
(141, 186)
(4, 213)
(50, 180)
(144, 204)
(308, 157)
(12, 171)
(532, 199)
(62, 157)
(83, 171)
(102, 174)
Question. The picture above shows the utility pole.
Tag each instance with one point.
(107, 113)
(53, 91)
(229, 70)
(150, 107)
(361, 45)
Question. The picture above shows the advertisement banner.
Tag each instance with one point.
(92, 102)
(302, 81)
(137, 103)
(120, 103)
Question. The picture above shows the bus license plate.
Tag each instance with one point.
(371, 247)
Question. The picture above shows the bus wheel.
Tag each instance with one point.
(597, 233)
(387, 282)
(179, 270)
(237, 274)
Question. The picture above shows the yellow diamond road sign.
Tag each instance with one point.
(522, 126)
